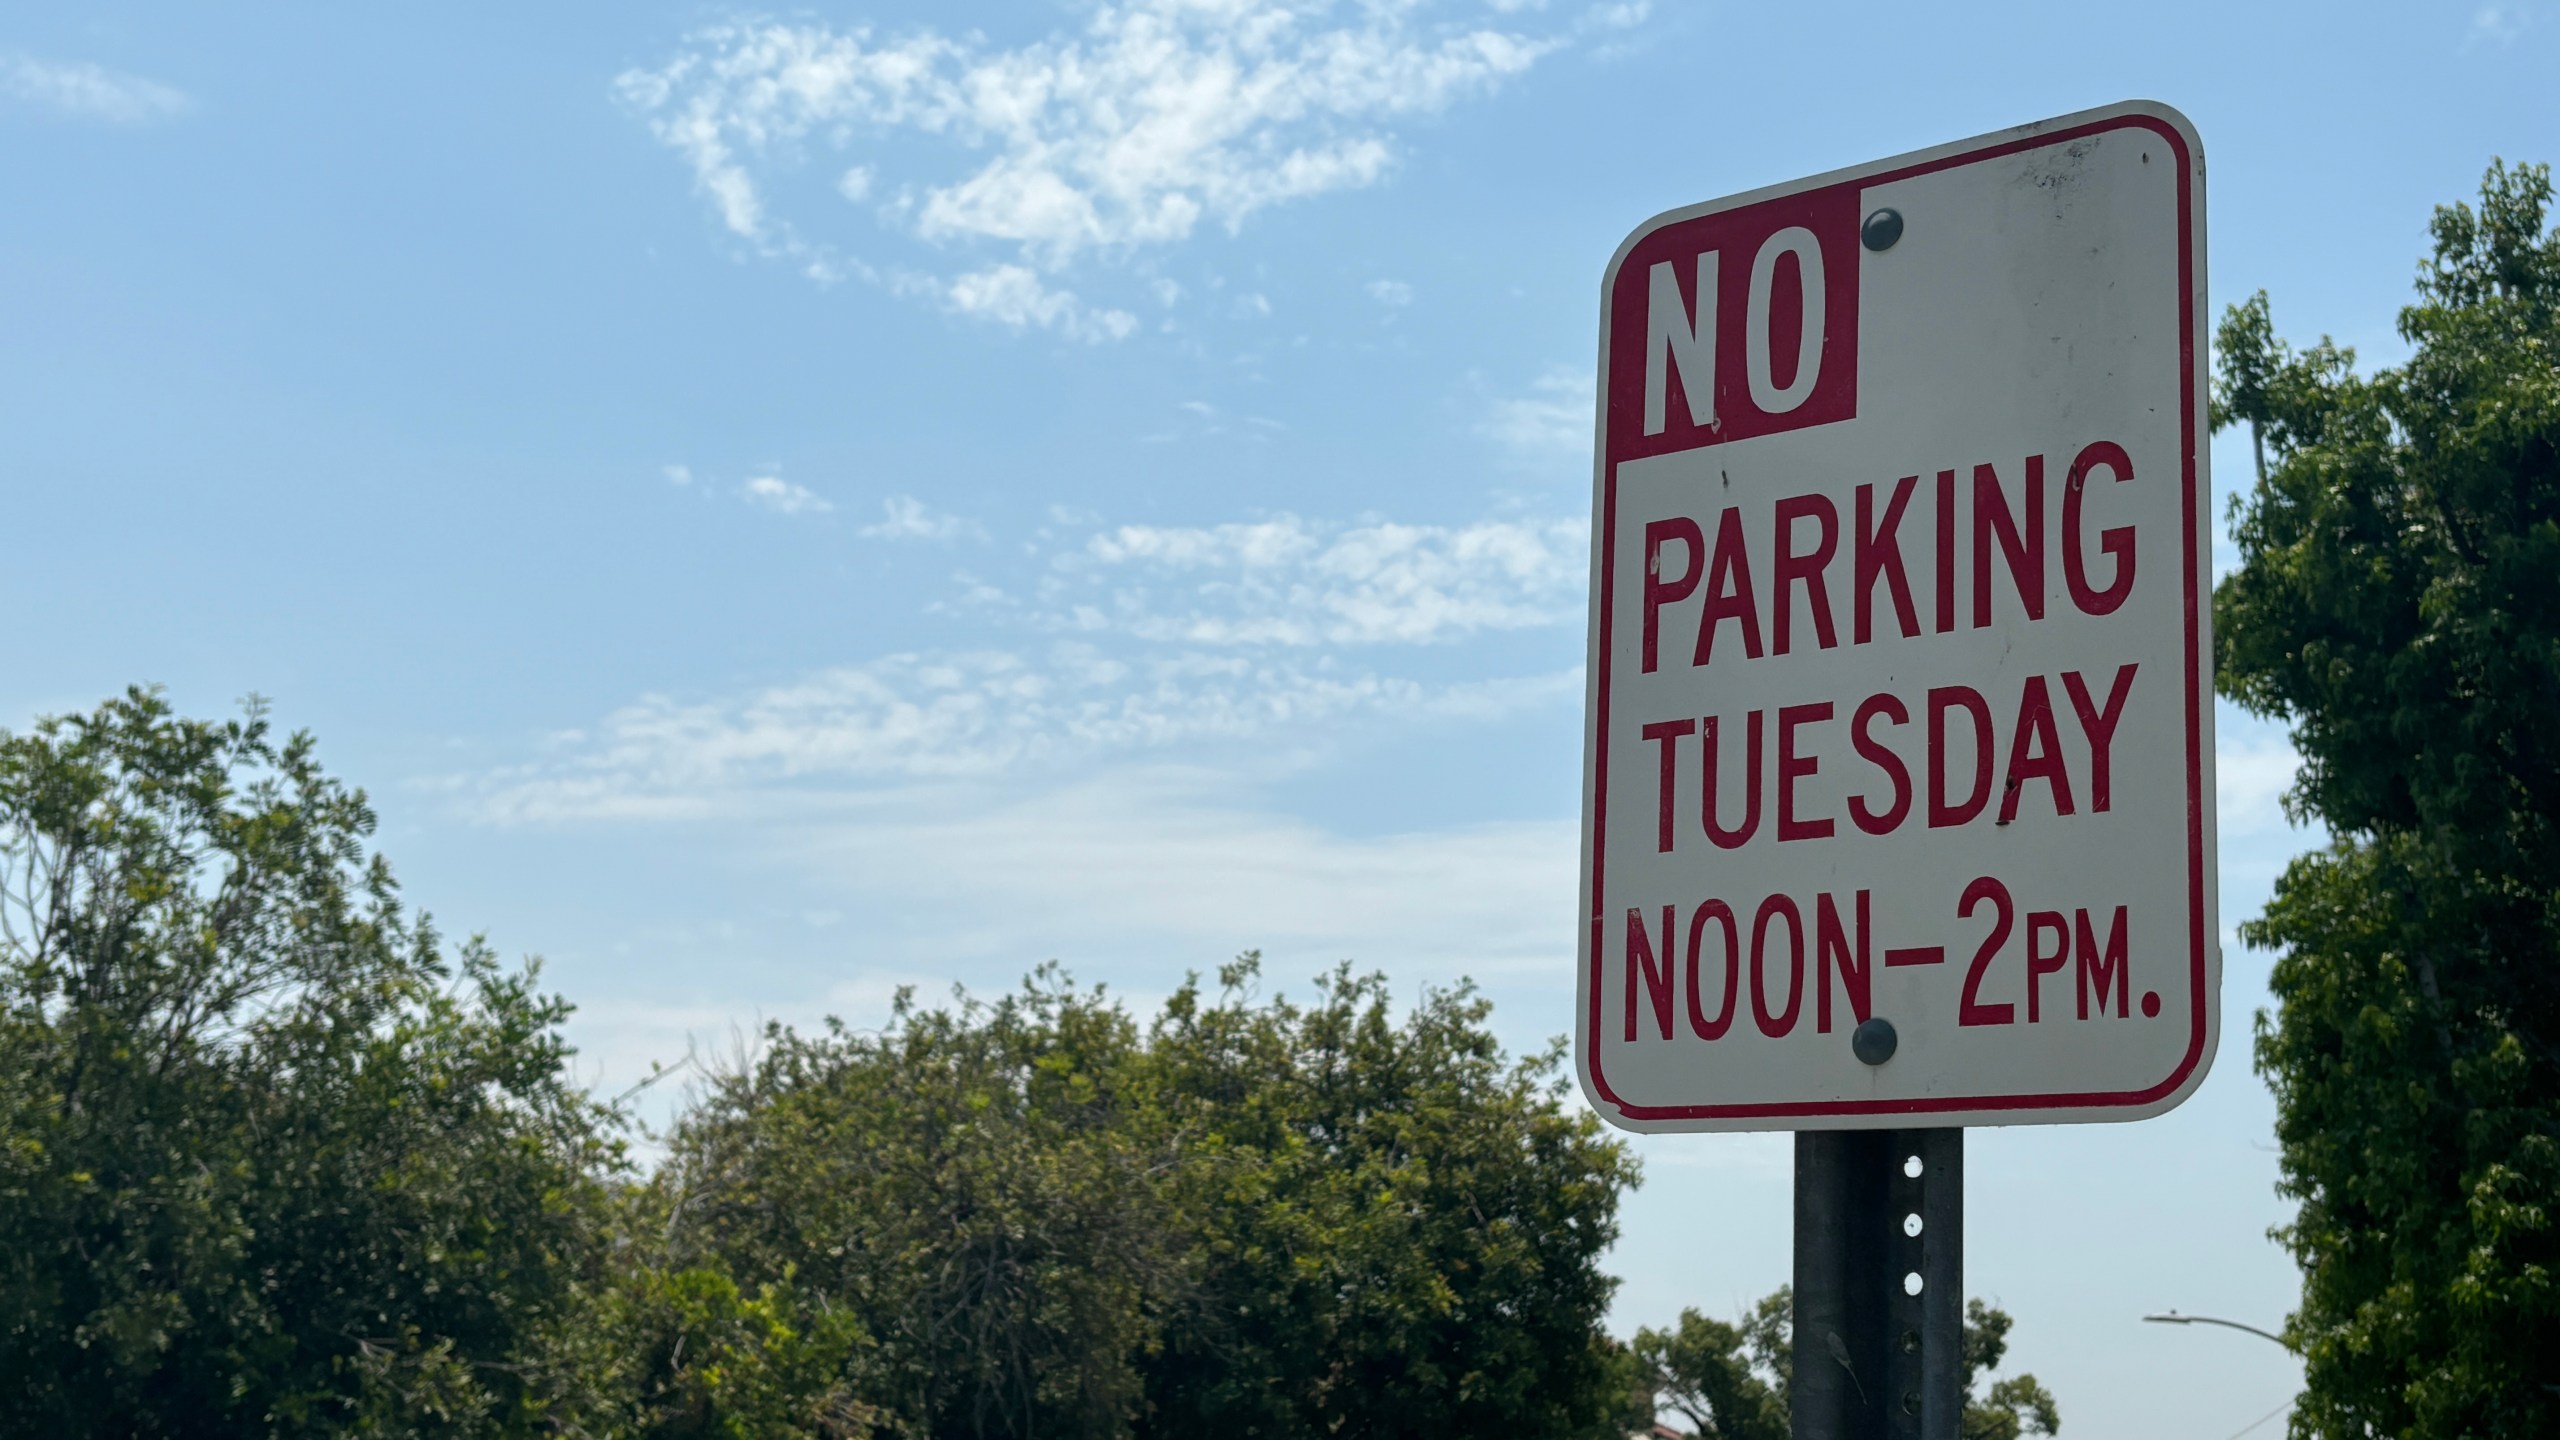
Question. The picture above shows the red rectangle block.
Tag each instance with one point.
(1735, 324)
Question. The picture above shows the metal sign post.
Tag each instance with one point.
(1898, 771)
(1879, 1284)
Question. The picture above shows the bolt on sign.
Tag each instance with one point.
(1898, 774)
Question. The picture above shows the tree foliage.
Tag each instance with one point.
(1251, 1217)
(983, 1185)
(1401, 1229)
(273, 1160)
(1729, 1381)
(1726, 1381)
(2398, 602)
(276, 1160)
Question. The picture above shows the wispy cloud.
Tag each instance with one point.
(772, 492)
(1392, 293)
(1553, 418)
(1291, 582)
(920, 717)
(1156, 118)
(1260, 640)
(1015, 295)
(903, 517)
(88, 92)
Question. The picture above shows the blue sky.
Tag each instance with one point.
(781, 504)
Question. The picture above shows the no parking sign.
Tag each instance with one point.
(1900, 707)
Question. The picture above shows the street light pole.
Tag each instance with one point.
(2172, 1317)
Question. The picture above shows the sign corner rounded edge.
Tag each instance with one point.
(1595, 1089)
(2165, 113)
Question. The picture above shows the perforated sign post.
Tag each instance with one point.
(1898, 791)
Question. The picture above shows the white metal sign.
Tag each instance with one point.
(1898, 776)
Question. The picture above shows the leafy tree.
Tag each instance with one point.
(1250, 1218)
(273, 1160)
(1398, 1229)
(2396, 602)
(982, 1187)
(1730, 1381)
(685, 1356)
(2013, 1406)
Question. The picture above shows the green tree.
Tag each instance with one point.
(2013, 1406)
(1398, 1229)
(1730, 1381)
(684, 1356)
(2398, 602)
(981, 1187)
(272, 1159)
(1248, 1218)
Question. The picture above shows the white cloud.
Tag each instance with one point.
(1291, 582)
(1014, 295)
(1157, 117)
(678, 474)
(782, 497)
(954, 717)
(1623, 15)
(88, 92)
(1395, 293)
(903, 517)
(1554, 417)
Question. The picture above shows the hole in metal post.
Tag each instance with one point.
(1911, 1223)
(1911, 1167)
(1911, 1283)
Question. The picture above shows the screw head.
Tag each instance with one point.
(1874, 1041)
(1881, 229)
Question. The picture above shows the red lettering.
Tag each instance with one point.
(1995, 525)
(2116, 543)
(1877, 554)
(2042, 962)
(1778, 1025)
(2100, 726)
(1941, 700)
(1722, 914)
(1729, 591)
(1831, 948)
(1791, 569)
(1871, 821)
(1659, 592)
(1946, 573)
(2099, 966)
(1667, 733)
(2041, 762)
(1969, 1007)
(1722, 838)
(1656, 974)
(1792, 768)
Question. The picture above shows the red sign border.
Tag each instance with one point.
(2173, 128)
